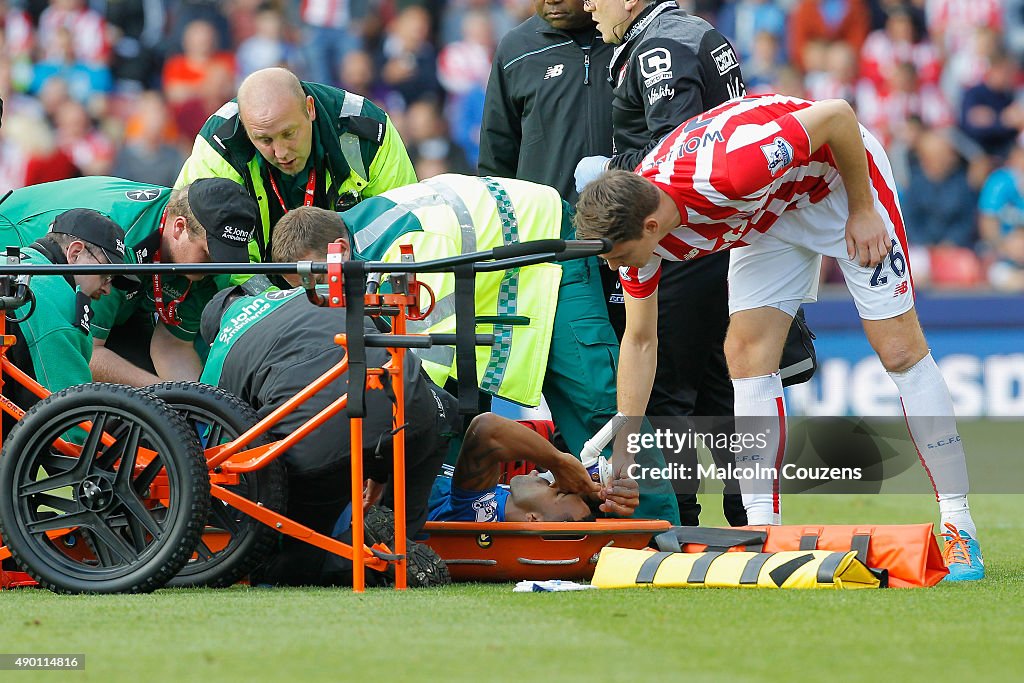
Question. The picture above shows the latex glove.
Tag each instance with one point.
(588, 169)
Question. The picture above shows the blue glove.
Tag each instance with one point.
(588, 169)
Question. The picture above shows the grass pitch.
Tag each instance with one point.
(487, 633)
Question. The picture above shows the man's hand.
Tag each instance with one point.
(571, 476)
(622, 497)
(372, 492)
(588, 169)
(866, 238)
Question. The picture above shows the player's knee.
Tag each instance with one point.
(748, 356)
(899, 355)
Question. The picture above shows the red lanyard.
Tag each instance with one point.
(169, 314)
(310, 190)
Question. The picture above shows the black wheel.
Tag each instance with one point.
(424, 567)
(233, 544)
(136, 491)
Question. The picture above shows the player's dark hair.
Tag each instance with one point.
(306, 229)
(614, 206)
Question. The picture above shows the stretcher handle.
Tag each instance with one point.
(420, 341)
(500, 258)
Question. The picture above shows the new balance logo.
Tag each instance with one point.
(554, 71)
(900, 290)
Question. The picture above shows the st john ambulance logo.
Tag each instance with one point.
(142, 195)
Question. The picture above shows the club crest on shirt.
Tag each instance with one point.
(779, 154)
(486, 508)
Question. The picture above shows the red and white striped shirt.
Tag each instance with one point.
(732, 171)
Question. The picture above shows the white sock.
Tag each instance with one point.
(932, 423)
(761, 398)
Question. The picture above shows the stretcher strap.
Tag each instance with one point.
(753, 568)
(355, 287)
(862, 544)
(809, 542)
(827, 568)
(714, 539)
(650, 567)
(465, 339)
(700, 568)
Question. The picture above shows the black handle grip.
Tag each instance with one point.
(527, 248)
(583, 248)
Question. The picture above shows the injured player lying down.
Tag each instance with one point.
(471, 493)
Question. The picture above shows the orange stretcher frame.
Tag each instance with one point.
(226, 461)
(538, 551)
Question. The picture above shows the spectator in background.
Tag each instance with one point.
(30, 155)
(1007, 273)
(886, 112)
(17, 33)
(267, 46)
(761, 69)
(430, 148)
(84, 80)
(743, 22)
(827, 20)
(899, 41)
(989, 114)
(86, 25)
(184, 12)
(331, 29)
(186, 74)
(1001, 205)
(409, 59)
(147, 156)
(950, 21)
(838, 80)
(358, 74)
(90, 149)
(137, 33)
(939, 204)
(462, 68)
(967, 67)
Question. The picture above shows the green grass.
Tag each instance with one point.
(969, 632)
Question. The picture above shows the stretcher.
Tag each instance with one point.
(513, 551)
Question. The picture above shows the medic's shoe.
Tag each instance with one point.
(962, 556)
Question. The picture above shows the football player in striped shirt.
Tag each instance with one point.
(782, 181)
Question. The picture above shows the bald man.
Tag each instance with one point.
(292, 143)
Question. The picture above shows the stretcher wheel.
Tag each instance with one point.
(233, 544)
(136, 491)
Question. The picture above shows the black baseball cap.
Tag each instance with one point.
(99, 231)
(229, 216)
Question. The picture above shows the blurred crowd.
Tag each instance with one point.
(121, 87)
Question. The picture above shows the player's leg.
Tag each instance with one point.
(768, 281)
(885, 298)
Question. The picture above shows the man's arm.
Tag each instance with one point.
(107, 366)
(501, 131)
(834, 123)
(175, 359)
(638, 355)
(492, 440)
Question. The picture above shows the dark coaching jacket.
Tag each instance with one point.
(670, 66)
(548, 104)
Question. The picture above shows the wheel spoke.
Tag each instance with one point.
(216, 432)
(55, 463)
(134, 509)
(203, 551)
(91, 445)
(81, 518)
(138, 533)
(105, 538)
(224, 516)
(50, 483)
(147, 475)
(129, 447)
(66, 505)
